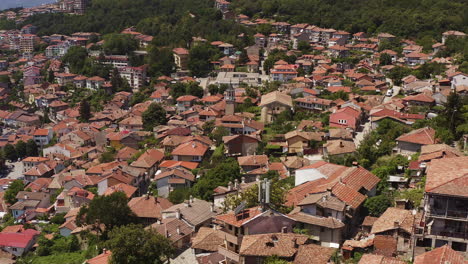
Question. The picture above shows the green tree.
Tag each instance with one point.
(31, 148)
(179, 195)
(119, 44)
(275, 260)
(14, 188)
(385, 59)
(377, 205)
(110, 210)
(218, 134)
(118, 83)
(154, 116)
(85, 111)
(160, 61)
(75, 58)
(21, 149)
(220, 175)
(10, 152)
(199, 59)
(134, 245)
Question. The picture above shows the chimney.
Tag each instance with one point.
(284, 229)
(212, 209)
(26, 197)
(257, 178)
(230, 186)
(177, 213)
(191, 199)
(104, 251)
(178, 230)
(187, 203)
(243, 180)
(341, 144)
(396, 224)
(324, 198)
(236, 184)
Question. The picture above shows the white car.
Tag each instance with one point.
(390, 92)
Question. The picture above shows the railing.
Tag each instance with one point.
(228, 253)
(224, 234)
(446, 232)
(448, 213)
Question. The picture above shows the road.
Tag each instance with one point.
(17, 170)
(396, 91)
(360, 135)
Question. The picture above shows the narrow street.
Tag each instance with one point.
(360, 135)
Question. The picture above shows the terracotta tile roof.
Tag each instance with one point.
(422, 136)
(207, 239)
(148, 159)
(448, 176)
(394, 218)
(379, 259)
(173, 228)
(419, 98)
(180, 173)
(278, 97)
(18, 240)
(348, 195)
(41, 132)
(328, 222)
(337, 147)
(174, 164)
(103, 258)
(121, 187)
(149, 206)
(241, 218)
(186, 98)
(126, 153)
(437, 151)
(191, 148)
(279, 244)
(317, 136)
(369, 221)
(313, 254)
(253, 160)
(441, 255)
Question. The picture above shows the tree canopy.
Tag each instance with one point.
(155, 115)
(111, 211)
(132, 244)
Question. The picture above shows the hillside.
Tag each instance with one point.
(404, 18)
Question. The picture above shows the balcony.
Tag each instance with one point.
(223, 233)
(448, 232)
(443, 213)
(228, 253)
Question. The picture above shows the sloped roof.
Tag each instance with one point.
(149, 206)
(441, 255)
(390, 217)
(313, 254)
(448, 176)
(379, 259)
(207, 239)
(422, 136)
(279, 244)
(277, 97)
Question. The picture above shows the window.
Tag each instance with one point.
(342, 121)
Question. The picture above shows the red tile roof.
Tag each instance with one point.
(441, 255)
(241, 218)
(448, 176)
(422, 136)
(18, 240)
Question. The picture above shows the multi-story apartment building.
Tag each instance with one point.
(445, 219)
(136, 76)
